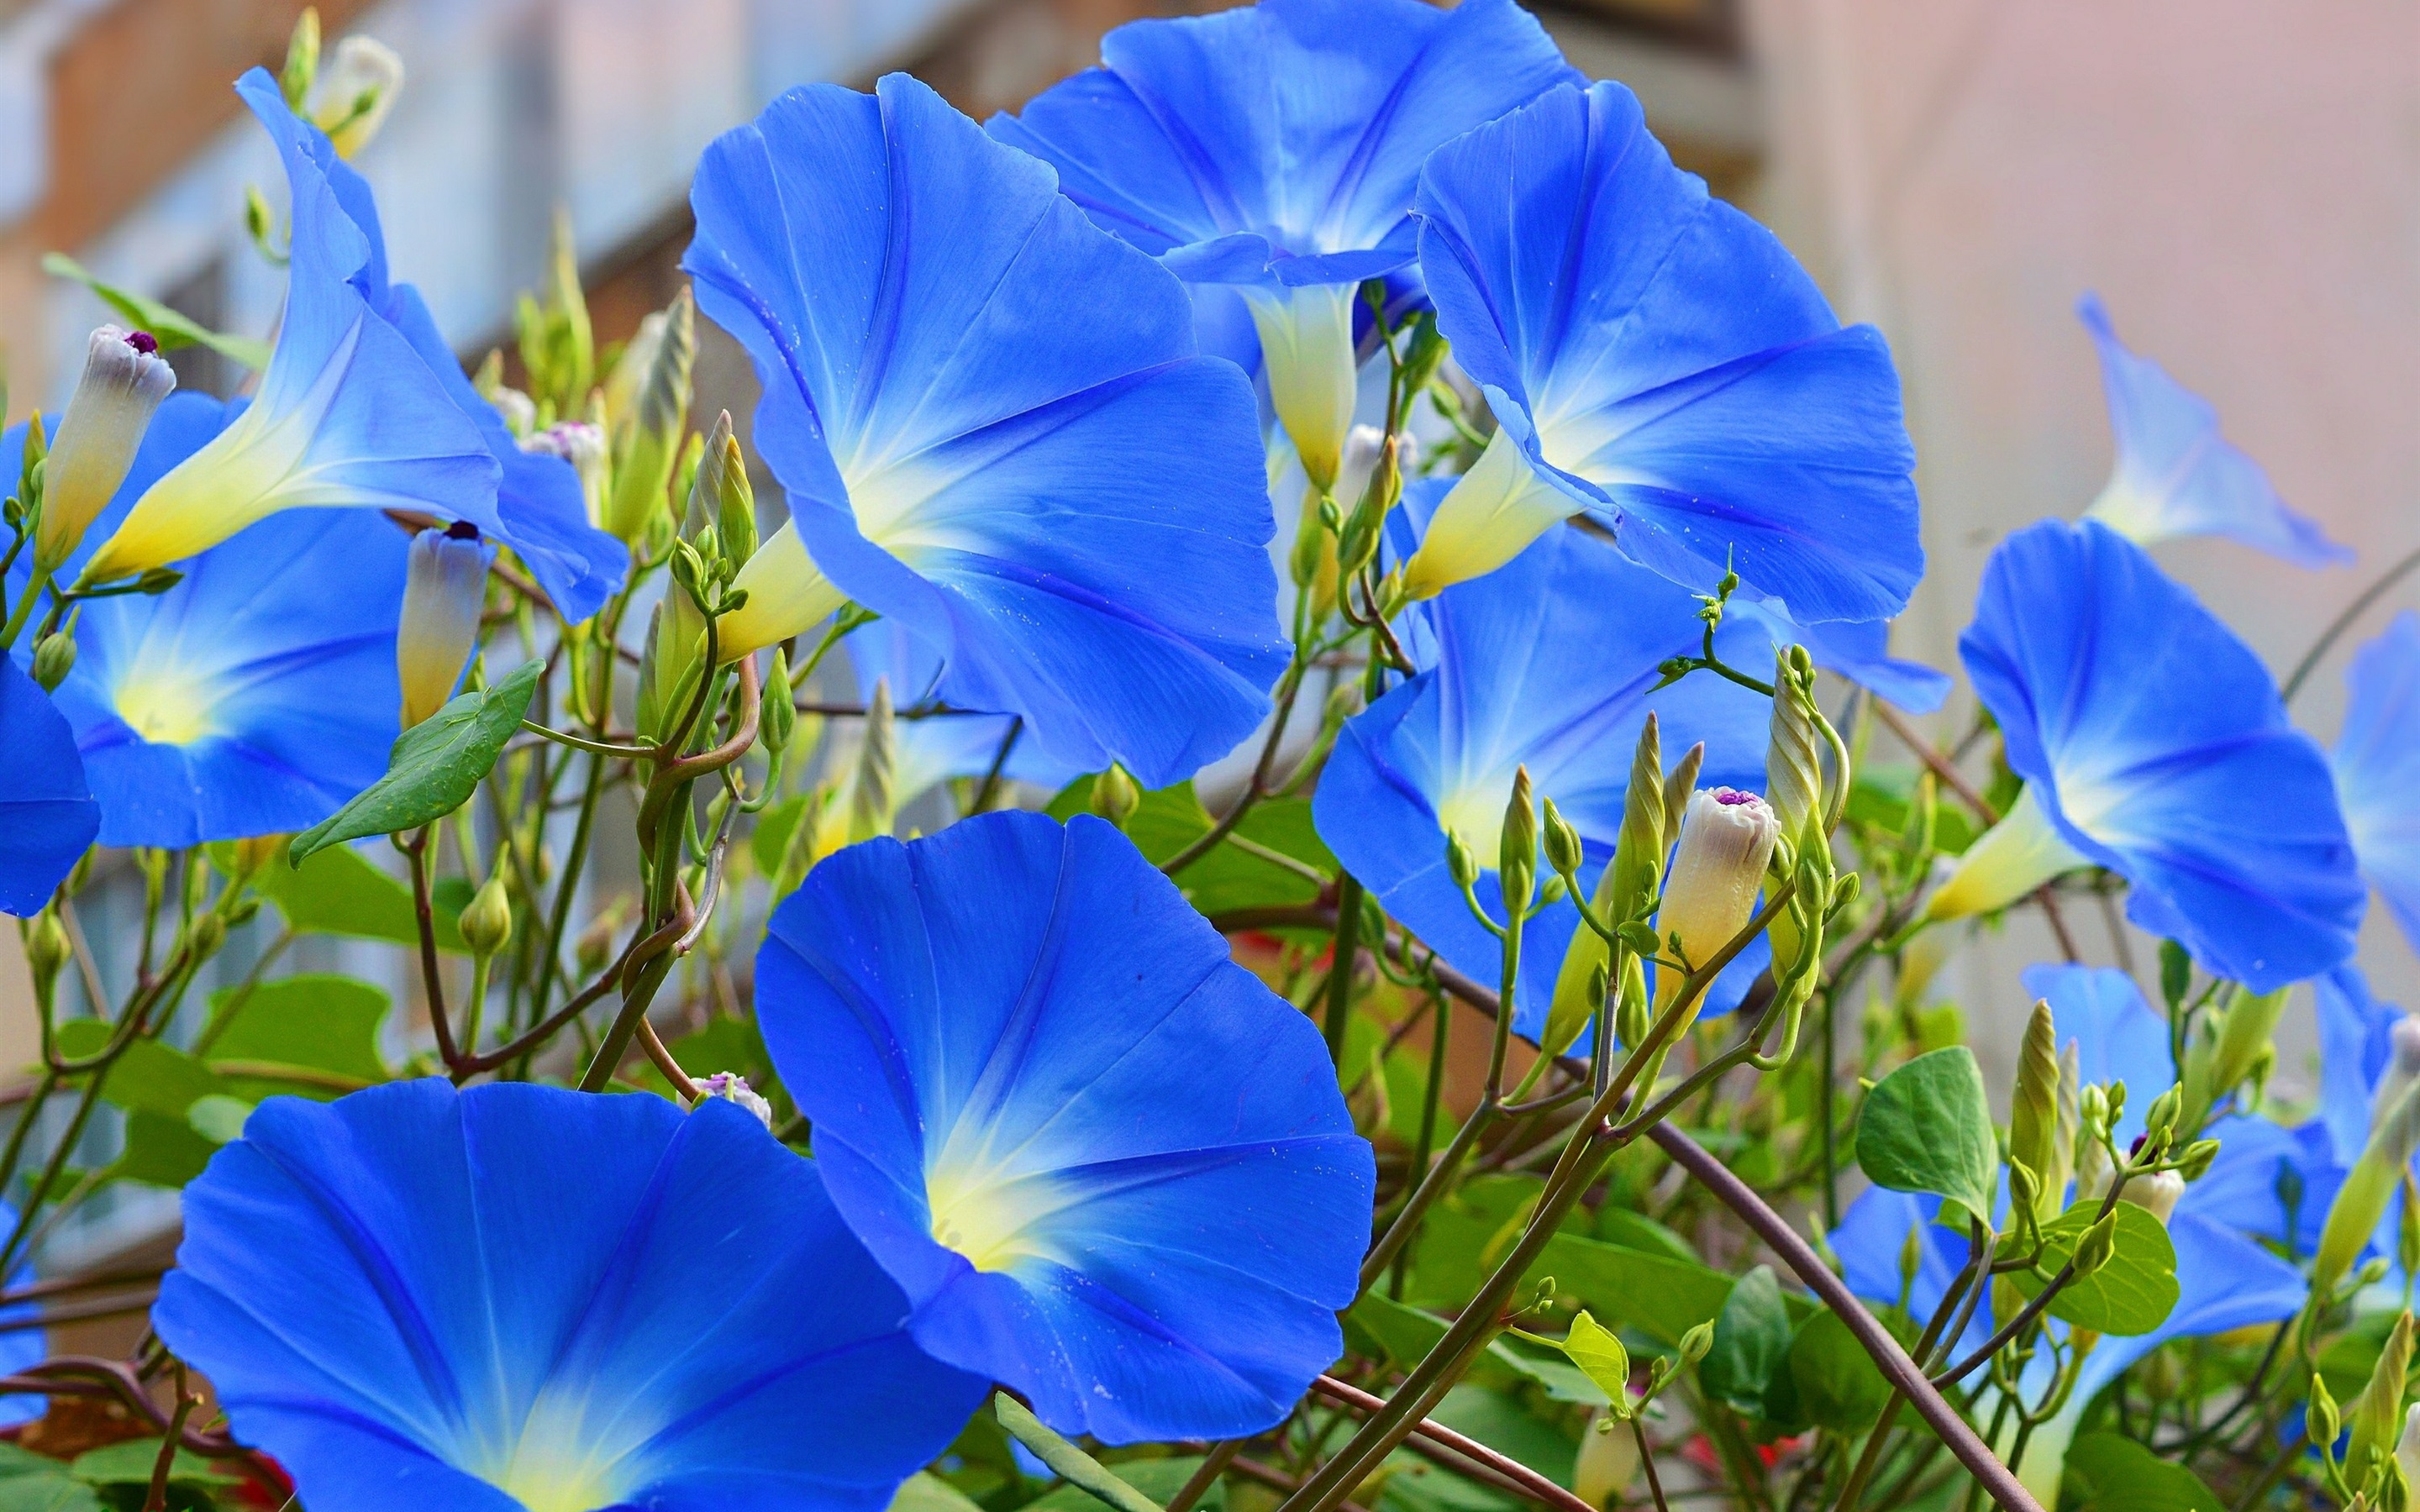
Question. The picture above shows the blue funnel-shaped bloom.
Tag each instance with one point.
(363, 406)
(2377, 767)
(2175, 475)
(993, 429)
(2152, 743)
(2355, 1043)
(521, 1298)
(47, 814)
(1272, 150)
(1654, 356)
(258, 694)
(1546, 663)
(930, 752)
(1111, 1169)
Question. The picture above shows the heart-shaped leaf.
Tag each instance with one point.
(436, 766)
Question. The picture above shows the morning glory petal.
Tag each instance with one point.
(2175, 475)
(48, 817)
(2152, 741)
(1109, 1167)
(1857, 650)
(517, 1297)
(2377, 763)
(927, 752)
(1547, 663)
(1654, 356)
(260, 692)
(2355, 1043)
(993, 427)
(1872, 1237)
(349, 415)
(1292, 132)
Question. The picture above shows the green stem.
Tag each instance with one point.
(1342, 960)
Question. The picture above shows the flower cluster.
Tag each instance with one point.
(1356, 356)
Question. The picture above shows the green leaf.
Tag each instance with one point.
(161, 1151)
(1070, 1464)
(1839, 1386)
(1928, 1128)
(435, 766)
(167, 326)
(1597, 1350)
(2132, 1294)
(147, 1077)
(132, 1464)
(38, 1492)
(218, 1117)
(315, 1024)
(1660, 1295)
(1752, 1339)
(340, 891)
(924, 1491)
(1635, 1230)
(1469, 1230)
(2111, 1473)
(1224, 878)
(769, 842)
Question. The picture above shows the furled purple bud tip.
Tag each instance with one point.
(144, 341)
(1734, 798)
(462, 530)
(730, 1087)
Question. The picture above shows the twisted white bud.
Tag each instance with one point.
(124, 379)
(445, 586)
(1726, 843)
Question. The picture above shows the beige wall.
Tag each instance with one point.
(2239, 179)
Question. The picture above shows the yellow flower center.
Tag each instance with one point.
(983, 1216)
(167, 707)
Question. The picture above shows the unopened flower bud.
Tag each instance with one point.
(2320, 1416)
(1631, 1021)
(46, 950)
(647, 448)
(445, 586)
(582, 446)
(1726, 842)
(735, 518)
(2159, 1120)
(1516, 865)
(779, 717)
(1459, 863)
(1562, 842)
(487, 921)
(1695, 1342)
(2407, 1448)
(55, 656)
(519, 412)
(2099, 1242)
(124, 379)
(2196, 1162)
(204, 936)
(2033, 1110)
(2155, 1194)
(354, 91)
(730, 1087)
(596, 945)
(1911, 1259)
(1115, 796)
(1793, 764)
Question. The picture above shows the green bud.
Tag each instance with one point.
(1562, 842)
(1793, 764)
(55, 656)
(870, 805)
(2195, 1162)
(2161, 1120)
(2377, 1414)
(46, 951)
(1115, 795)
(734, 503)
(486, 920)
(1697, 1342)
(1623, 889)
(1516, 866)
(2033, 1109)
(204, 936)
(258, 223)
(158, 580)
(2025, 1187)
(1911, 1259)
(1678, 784)
(244, 911)
(2321, 1417)
(778, 717)
(2099, 1242)
(1631, 1021)
(2242, 1037)
(301, 59)
(1459, 863)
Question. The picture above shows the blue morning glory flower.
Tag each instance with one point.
(255, 695)
(2152, 741)
(993, 429)
(1655, 357)
(927, 753)
(1111, 1169)
(363, 406)
(2175, 475)
(48, 817)
(2377, 764)
(522, 1299)
(1545, 663)
(1857, 650)
(1267, 155)
(2356, 1044)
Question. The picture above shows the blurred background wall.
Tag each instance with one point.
(2239, 179)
